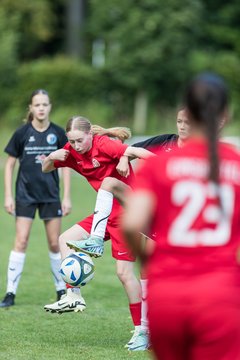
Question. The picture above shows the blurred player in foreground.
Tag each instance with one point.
(191, 200)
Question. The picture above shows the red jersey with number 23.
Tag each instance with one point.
(194, 236)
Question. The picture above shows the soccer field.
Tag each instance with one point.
(29, 333)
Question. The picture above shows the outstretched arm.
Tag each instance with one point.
(130, 154)
(140, 153)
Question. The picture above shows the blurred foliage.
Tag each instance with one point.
(8, 57)
(68, 79)
(150, 45)
(147, 42)
(74, 88)
(158, 45)
(36, 24)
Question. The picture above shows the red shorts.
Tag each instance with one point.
(195, 319)
(120, 250)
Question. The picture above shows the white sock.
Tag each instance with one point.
(15, 268)
(76, 290)
(144, 319)
(102, 211)
(55, 262)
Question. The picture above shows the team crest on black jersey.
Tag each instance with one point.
(31, 139)
(95, 163)
(51, 139)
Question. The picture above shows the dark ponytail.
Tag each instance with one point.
(206, 99)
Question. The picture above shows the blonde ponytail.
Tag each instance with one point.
(122, 133)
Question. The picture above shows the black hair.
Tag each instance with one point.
(206, 98)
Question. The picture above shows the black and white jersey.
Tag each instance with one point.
(166, 141)
(31, 147)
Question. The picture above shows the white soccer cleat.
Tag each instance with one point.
(68, 303)
(135, 334)
(141, 342)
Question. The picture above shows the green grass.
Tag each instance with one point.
(29, 333)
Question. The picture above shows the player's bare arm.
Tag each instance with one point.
(130, 154)
(66, 200)
(9, 202)
(140, 153)
(48, 162)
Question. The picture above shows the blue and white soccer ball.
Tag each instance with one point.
(77, 269)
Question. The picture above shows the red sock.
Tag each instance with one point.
(135, 310)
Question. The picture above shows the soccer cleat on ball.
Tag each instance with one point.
(93, 246)
(68, 303)
(77, 269)
(141, 342)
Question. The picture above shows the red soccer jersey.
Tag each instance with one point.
(192, 234)
(99, 162)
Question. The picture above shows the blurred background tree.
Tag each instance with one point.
(115, 61)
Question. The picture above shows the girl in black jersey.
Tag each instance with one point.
(30, 144)
(170, 141)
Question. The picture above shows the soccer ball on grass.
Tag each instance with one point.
(77, 269)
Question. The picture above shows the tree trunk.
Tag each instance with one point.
(140, 112)
(75, 18)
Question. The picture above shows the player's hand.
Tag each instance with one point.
(66, 207)
(9, 205)
(123, 166)
(60, 154)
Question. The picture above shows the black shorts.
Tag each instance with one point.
(46, 210)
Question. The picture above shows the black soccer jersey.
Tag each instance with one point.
(167, 142)
(31, 147)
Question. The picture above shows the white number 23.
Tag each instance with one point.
(192, 196)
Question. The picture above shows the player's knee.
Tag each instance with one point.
(62, 239)
(123, 275)
(109, 184)
(21, 243)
